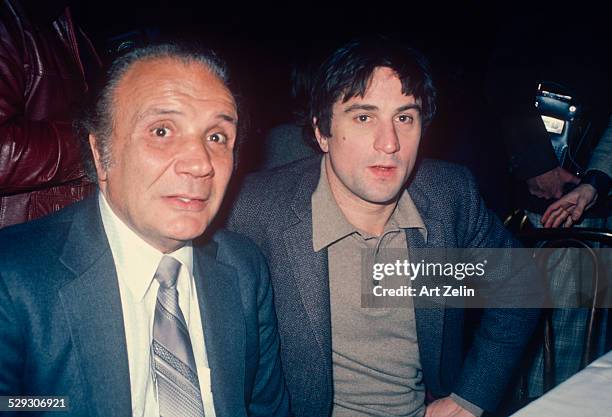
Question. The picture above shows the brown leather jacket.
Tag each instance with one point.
(41, 77)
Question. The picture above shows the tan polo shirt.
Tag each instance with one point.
(375, 355)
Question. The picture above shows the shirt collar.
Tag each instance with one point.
(407, 216)
(136, 261)
(329, 224)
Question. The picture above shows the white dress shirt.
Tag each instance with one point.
(136, 262)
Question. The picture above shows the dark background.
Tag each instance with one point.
(262, 42)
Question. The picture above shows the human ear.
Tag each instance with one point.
(100, 170)
(321, 140)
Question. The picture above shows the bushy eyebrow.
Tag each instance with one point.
(227, 118)
(370, 107)
(366, 107)
(415, 106)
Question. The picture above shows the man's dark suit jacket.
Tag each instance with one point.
(61, 322)
(274, 209)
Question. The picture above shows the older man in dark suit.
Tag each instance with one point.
(314, 218)
(111, 302)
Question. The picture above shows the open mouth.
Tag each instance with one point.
(383, 170)
(187, 202)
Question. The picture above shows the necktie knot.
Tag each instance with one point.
(167, 272)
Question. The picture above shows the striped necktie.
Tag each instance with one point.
(178, 389)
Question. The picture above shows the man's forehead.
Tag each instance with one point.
(380, 78)
(158, 77)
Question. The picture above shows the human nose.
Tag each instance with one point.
(195, 159)
(386, 139)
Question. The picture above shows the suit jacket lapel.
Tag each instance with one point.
(310, 268)
(224, 328)
(429, 313)
(311, 279)
(93, 308)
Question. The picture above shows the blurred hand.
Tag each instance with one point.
(550, 184)
(446, 407)
(569, 209)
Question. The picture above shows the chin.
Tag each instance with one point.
(383, 196)
(185, 230)
(380, 199)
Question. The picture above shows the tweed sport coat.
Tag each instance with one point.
(274, 209)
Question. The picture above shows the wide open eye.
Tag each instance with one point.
(218, 138)
(161, 131)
